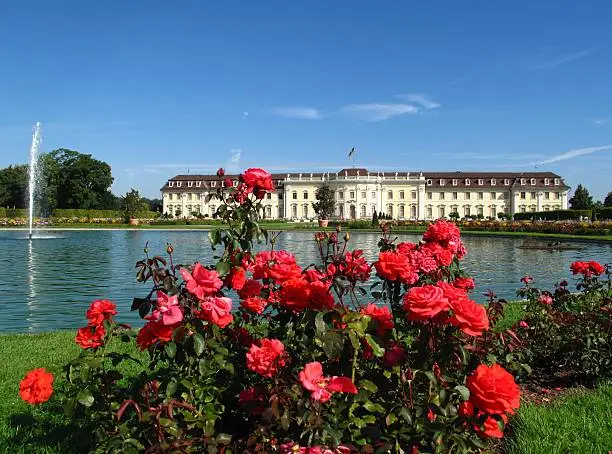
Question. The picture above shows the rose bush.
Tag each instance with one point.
(254, 353)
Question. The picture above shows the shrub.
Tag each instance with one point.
(313, 358)
(556, 215)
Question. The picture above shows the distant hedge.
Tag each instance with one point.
(13, 212)
(556, 215)
(603, 213)
(93, 214)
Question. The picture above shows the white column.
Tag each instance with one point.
(421, 195)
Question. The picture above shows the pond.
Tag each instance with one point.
(48, 283)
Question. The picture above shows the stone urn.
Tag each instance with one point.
(133, 221)
(323, 222)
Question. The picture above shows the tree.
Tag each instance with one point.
(608, 200)
(132, 204)
(581, 199)
(14, 186)
(324, 207)
(375, 219)
(453, 216)
(153, 204)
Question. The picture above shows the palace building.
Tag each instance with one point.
(402, 195)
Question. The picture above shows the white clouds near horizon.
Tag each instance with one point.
(302, 113)
(560, 60)
(421, 99)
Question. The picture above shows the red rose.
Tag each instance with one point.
(321, 387)
(281, 272)
(490, 428)
(237, 278)
(201, 282)
(153, 332)
(36, 387)
(250, 288)
(596, 267)
(355, 267)
(466, 283)
(295, 294)
(90, 336)
(545, 298)
(493, 390)
(406, 247)
(528, 279)
(442, 255)
(254, 304)
(423, 303)
(395, 266)
(99, 311)
(442, 231)
(381, 315)
(587, 269)
(451, 292)
(257, 180)
(267, 358)
(424, 261)
(394, 354)
(217, 310)
(313, 275)
(469, 316)
(319, 297)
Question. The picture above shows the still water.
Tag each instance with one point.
(48, 283)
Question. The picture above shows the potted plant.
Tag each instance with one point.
(132, 205)
(324, 206)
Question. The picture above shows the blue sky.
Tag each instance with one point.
(157, 87)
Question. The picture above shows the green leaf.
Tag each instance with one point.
(170, 349)
(376, 349)
(465, 393)
(368, 386)
(390, 419)
(320, 325)
(373, 408)
(405, 413)
(198, 343)
(170, 388)
(333, 343)
(222, 268)
(354, 340)
(85, 398)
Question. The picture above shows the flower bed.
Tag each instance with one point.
(310, 361)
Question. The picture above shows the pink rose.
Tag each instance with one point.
(201, 282)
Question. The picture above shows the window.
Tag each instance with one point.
(401, 195)
(213, 210)
(467, 196)
(305, 211)
(523, 181)
(455, 196)
(269, 196)
(363, 210)
(429, 182)
(390, 210)
(480, 182)
(467, 181)
(454, 182)
(466, 211)
(413, 209)
(493, 212)
(493, 196)
(352, 195)
(170, 184)
(294, 211)
(429, 212)
(413, 195)
(441, 196)
(533, 195)
(480, 195)
(429, 196)
(373, 209)
(198, 184)
(493, 182)
(305, 195)
(546, 207)
(294, 195)
(235, 183)
(546, 181)
(213, 184)
(189, 184)
(556, 182)
(189, 196)
(390, 195)
(506, 182)
(178, 184)
(373, 194)
(480, 211)
(401, 212)
(523, 195)
(363, 196)
(441, 212)
(341, 195)
(533, 182)
(547, 195)
(268, 212)
(532, 208)
(454, 209)
(341, 211)
(441, 182)
(557, 195)
(523, 209)
(280, 196)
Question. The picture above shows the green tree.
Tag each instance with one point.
(324, 206)
(14, 186)
(132, 204)
(581, 199)
(375, 218)
(608, 200)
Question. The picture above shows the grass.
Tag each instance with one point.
(39, 429)
(578, 423)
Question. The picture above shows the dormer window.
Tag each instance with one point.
(429, 182)
(441, 182)
(170, 184)
(189, 184)
(213, 184)
(198, 184)
(235, 183)
(506, 182)
(178, 184)
(556, 182)
(533, 182)
(467, 181)
(480, 182)
(523, 181)
(454, 182)
(493, 182)
(546, 181)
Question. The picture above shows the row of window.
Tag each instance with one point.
(493, 181)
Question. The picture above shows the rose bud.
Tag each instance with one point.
(338, 228)
(169, 248)
(347, 236)
(220, 172)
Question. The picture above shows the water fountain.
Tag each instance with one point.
(36, 138)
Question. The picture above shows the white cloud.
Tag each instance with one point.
(378, 112)
(571, 154)
(421, 99)
(602, 121)
(302, 113)
(234, 160)
(551, 64)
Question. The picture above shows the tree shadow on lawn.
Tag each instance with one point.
(45, 432)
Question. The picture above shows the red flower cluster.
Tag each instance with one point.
(381, 315)
(587, 269)
(36, 387)
(257, 181)
(354, 266)
(92, 335)
(266, 358)
(298, 294)
(279, 266)
(493, 391)
(154, 332)
(322, 387)
(217, 310)
(396, 266)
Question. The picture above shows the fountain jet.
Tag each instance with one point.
(36, 138)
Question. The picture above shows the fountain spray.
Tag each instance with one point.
(36, 138)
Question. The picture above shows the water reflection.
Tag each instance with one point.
(48, 285)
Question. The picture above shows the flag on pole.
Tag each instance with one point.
(352, 152)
